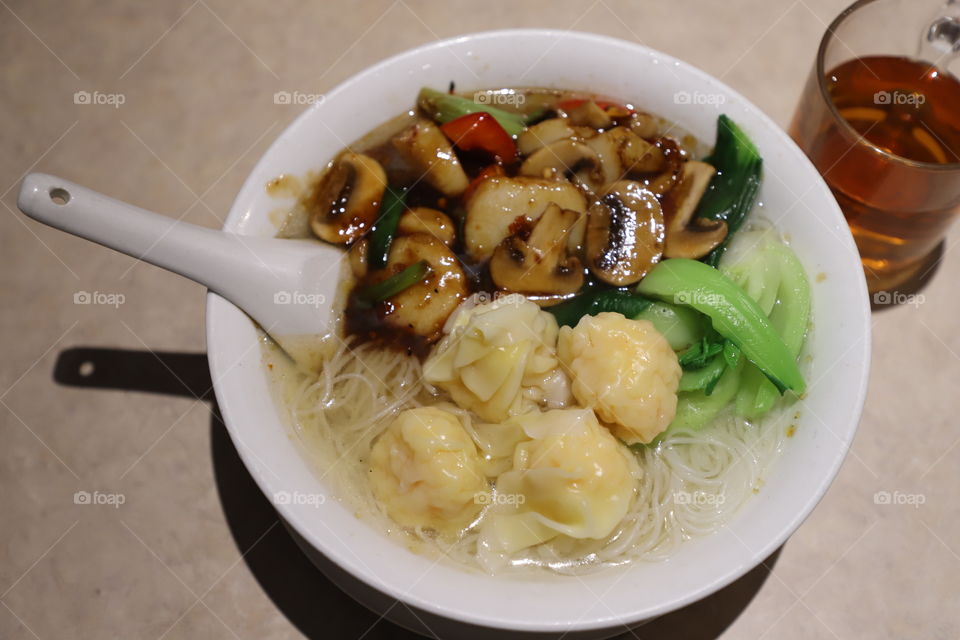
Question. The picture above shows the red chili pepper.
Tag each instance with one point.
(492, 170)
(481, 131)
(611, 108)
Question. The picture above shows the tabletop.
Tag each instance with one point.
(125, 509)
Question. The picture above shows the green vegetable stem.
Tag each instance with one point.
(681, 326)
(774, 276)
(734, 315)
(593, 302)
(394, 284)
(381, 236)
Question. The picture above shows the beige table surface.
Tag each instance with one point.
(184, 559)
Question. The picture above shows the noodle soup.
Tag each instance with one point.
(561, 345)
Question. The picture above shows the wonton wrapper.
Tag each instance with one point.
(625, 370)
(426, 472)
(496, 441)
(499, 360)
(571, 477)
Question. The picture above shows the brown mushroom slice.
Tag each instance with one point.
(357, 257)
(424, 146)
(426, 220)
(423, 308)
(623, 152)
(577, 234)
(625, 234)
(638, 155)
(559, 160)
(611, 168)
(346, 200)
(589, 114)
(541, 264)
(644, 125)
(500, 201)
(689, 237)
(662, 183)
(542, 134)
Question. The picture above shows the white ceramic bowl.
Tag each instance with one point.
(795, 198)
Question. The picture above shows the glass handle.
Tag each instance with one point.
(940, 43)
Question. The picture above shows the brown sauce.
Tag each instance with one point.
(363, 322)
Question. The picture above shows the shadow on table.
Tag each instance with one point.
(300, 591)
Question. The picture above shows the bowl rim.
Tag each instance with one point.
(217, 305)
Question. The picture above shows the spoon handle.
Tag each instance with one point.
(254, 273)
(192, 251)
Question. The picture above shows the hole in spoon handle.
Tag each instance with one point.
(59, 195)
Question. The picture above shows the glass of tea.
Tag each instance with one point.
(880, 119)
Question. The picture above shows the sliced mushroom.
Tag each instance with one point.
(590, 114)
(429, 221)
(674, 158)
(357, 256)
(622, 152)
(560, 159)
(500, 201)
(577, 235)
(423, 308)
(540, 264)
(686, 239)
(424, 146)
(625, 234)
(644, 125)
(347, 198)
(636, 154)
(542, 134)
(662, 183)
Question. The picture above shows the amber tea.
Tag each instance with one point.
(890, 154)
